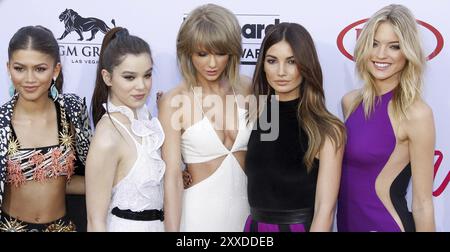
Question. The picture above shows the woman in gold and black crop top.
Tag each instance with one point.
(44, 137)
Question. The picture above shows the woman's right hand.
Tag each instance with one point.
(187, 179)
(159, 94)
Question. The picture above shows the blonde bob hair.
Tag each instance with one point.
(214, 29)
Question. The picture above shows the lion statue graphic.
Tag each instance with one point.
(79, 24)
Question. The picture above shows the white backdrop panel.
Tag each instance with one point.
(158, 21)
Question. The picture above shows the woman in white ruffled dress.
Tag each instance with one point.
(124, 168)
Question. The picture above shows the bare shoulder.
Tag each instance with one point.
(419, 123)
(166, 99)
(245, 85)
(419, 110)
(350, 97)
(106, 137)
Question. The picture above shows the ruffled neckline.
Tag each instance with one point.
(152, 139)
(142, 126)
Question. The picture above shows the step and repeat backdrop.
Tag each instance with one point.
(334, 26)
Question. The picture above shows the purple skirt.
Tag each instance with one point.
(254, 226)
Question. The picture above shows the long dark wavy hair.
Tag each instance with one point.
(117, 43)
(313, 116)
(40, 39)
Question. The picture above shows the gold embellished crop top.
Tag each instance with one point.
(39, 164)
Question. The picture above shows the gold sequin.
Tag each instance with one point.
(65, 125)
(66, 139)
(13, 147)
(12, 226)
(60, 226)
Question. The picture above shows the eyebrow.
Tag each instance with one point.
(40, 64)
(128, 72)
(131, 72)
(392, 42)
(268, 55)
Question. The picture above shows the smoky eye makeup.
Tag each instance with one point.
(148, 75)
(202, 53)
(18, 68)
(41, 69)
(128, 77)
(395, 46)
(291, 60)
(270, 59)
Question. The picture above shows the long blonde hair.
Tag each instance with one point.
(409, 88)
(212, 28)
(312, 114)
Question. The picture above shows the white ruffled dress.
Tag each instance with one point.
(142, 188)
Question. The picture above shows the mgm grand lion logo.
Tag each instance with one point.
(74, 22)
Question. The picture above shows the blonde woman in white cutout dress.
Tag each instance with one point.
(204, 119)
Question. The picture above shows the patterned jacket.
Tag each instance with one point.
(76, 112)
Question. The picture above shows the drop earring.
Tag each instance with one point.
(11, 90)
(53, 90)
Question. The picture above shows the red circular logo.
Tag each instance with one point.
(436, 33)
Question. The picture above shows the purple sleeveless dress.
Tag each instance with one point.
(370, 144)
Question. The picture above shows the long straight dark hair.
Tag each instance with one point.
(117, 43)
(314, 118)
(40, 39)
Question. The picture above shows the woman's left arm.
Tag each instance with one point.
(421, 136)
(327, 186)
(76, 185)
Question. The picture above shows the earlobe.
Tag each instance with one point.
(57, 71)
(106, 77)
(7, 68)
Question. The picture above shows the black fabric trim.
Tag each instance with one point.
(397, 192)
